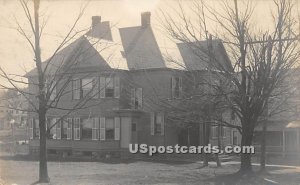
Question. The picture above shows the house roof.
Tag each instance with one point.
(195, 55)
(140, 48)
(129, 48)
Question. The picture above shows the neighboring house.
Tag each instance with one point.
(283, 127)
(4, 124)
(13, 108)
(129, 81)
(17, 107)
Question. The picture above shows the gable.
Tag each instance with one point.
(140, 48)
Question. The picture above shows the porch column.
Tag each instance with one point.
(297, 141)
(283, 143)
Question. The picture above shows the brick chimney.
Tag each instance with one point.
(145, 19)
(96, 20)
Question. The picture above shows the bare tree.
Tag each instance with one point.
(51, 80)
(261, 60)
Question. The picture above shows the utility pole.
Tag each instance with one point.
(264, 129)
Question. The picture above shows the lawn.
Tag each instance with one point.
(24, 172)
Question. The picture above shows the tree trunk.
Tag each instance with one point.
(247, 136)
(263, 148)
(206, 131)
(219, 145)
(43, 170)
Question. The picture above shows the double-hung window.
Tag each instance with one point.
(110, 128)
(109, 87)
(64, 131)
(136, 98)
(86, 128)
(87, 86)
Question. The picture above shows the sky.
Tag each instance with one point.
(16, 56)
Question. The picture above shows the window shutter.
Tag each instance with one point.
(76, 128)
(102, 87)
(140, 97)
(152, 117)
(31, 128)
(102, 128)
(95, 88)
(69, 129)
(95, 130)
(37, 127)
(53, 121)
(132, 98)
(173, 85)
(76, 89)
(162, 124)
(53, 90)
(117, 128)
(117, 87)
(58, 129)
(180, 86)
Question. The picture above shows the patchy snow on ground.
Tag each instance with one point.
(131, 173)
